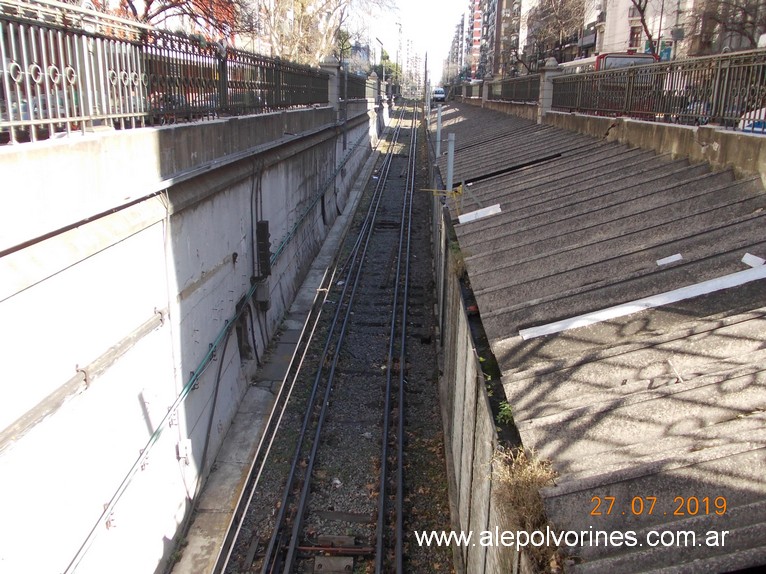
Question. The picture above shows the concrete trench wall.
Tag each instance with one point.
(123, 256)
(469, 426)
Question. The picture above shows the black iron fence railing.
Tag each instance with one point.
(521, 89)
(356, 87)
(65, 69)
(727, 90)
(473, 89)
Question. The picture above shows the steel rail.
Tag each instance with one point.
(405, 229)
(411, 175)
(300, 512)
(281, 402)
(271, 561)
(272, 426)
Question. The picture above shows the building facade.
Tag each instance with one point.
(508, 37)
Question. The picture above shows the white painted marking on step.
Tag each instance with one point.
(710, 286)
(479, 213)
(670, 259)
(753, 260)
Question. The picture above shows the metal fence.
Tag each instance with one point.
(472, 90)
(521, 89)
(727, 90)
(360, 87)
(66, 69)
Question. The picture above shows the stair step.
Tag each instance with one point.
(741, 548)
(584, 183)
(633, 392)
(737, 517)
(654, 359)
(730, 562)
(641, 330)
(710, 208)
(568, 484)
(572, 435)
(750, 427)
(535, 176)
(734, 472)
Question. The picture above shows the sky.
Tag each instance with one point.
(430, 24)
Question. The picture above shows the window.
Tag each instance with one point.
(635, 36)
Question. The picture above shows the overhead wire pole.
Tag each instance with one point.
(382, 67)
(397, 69)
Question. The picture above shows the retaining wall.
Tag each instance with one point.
(471, 437)
(134, 313)
(721, 148)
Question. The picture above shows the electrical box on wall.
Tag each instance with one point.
(262, 296)
(263, 247)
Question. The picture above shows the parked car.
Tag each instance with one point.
(754, 121)
(438, 95)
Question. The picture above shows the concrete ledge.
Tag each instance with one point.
(96, 172)
(722, 149)
(524, 110)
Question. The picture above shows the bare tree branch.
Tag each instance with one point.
(641, 6)
(740, 22)
(552, 21)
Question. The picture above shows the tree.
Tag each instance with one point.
(641, 7)
(551, 22)
(732, 24)
(303, 31)
(215, 17)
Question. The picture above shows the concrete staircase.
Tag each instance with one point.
(666, 404)
(674, 420)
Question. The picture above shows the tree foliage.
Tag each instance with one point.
(215, 17)
(551, 22)
(304, 31)
(301, 30)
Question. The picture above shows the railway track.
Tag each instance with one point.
(340, 502)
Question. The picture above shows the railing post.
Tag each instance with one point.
(485, 87)
(722, 68)
(86, 79)
(333, 84)
(223, 78)
(549, 71)
(450, 160)
(630, 82)
(439, 131)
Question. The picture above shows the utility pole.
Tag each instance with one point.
(398, 70)
(382, 65)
